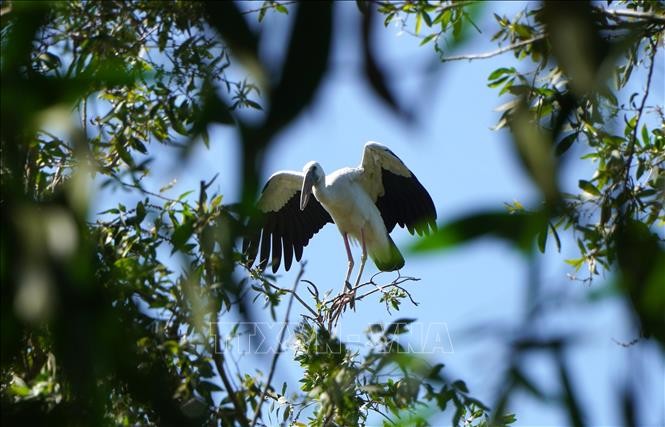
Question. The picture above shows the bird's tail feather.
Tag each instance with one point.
(388, 259)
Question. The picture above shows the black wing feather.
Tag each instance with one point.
(406, 203)
(277, 244)
(287, 244)
(288, 229)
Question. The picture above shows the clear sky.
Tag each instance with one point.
(466, 167)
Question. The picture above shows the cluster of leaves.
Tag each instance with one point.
(94, 320)
(150, 69)
(578, 102)
(575, 91)
(387, 379)
(584, 87)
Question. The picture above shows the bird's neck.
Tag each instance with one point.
(321, 191)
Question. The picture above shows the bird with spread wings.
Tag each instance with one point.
(365, 203)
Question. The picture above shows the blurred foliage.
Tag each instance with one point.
(580, 84)
(97, 324)
(575, 91)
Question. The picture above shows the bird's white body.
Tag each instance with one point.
(352, 209)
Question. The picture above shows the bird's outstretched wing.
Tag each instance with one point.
(398, 194)
(283, 228)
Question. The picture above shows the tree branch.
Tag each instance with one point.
(273, 365)
(218, 358)
(627, 13)
(295, 295)
(266, 7)
(494, 52)
(640, 110)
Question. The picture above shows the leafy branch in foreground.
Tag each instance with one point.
(343, 386)
(580, 90)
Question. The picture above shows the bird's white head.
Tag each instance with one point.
(313, 175)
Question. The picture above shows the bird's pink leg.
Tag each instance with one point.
(363, 256)
(350, 257)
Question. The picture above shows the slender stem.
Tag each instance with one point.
(657, 17)
(640, 110)
(84, 115)
(496, 52)
(218, 358)
(273, 365)
(296, 296)
(144, 191)
(266, 6)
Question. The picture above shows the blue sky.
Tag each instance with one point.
(466, 167)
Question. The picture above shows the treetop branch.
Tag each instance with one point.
(494, 52)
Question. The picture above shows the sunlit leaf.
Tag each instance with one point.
(589, 188)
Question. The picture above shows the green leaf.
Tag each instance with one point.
(428, 39)
(398, 326)
(140, 212)
(565, 143)
(208, 386)
(110, 211)
(180, 236)
(461, 386)
(518, 229)
(508, 419)
(434, 373)
(499, 72)
(497, 82)
(427, 19)
(589, 187)
(645, 136)
(575, 263)
(523, 31)
(556, 237)
(205, 137)
(419, 21)
(375, 328)
(542, 240)
(20, 390)
(185, 194)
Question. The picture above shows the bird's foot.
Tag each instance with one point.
(349, 295)
(346, 297)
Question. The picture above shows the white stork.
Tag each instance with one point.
(365, 203)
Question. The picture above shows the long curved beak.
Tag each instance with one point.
(306, 190)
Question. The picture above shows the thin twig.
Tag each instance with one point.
(486, 55)
(84, 115)
(266, 7)
(338, 304)
(218, 358)
(273, 365)
(439, 10)
(294, 294)
(640, 110)
(144, 191)
(637, 14)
